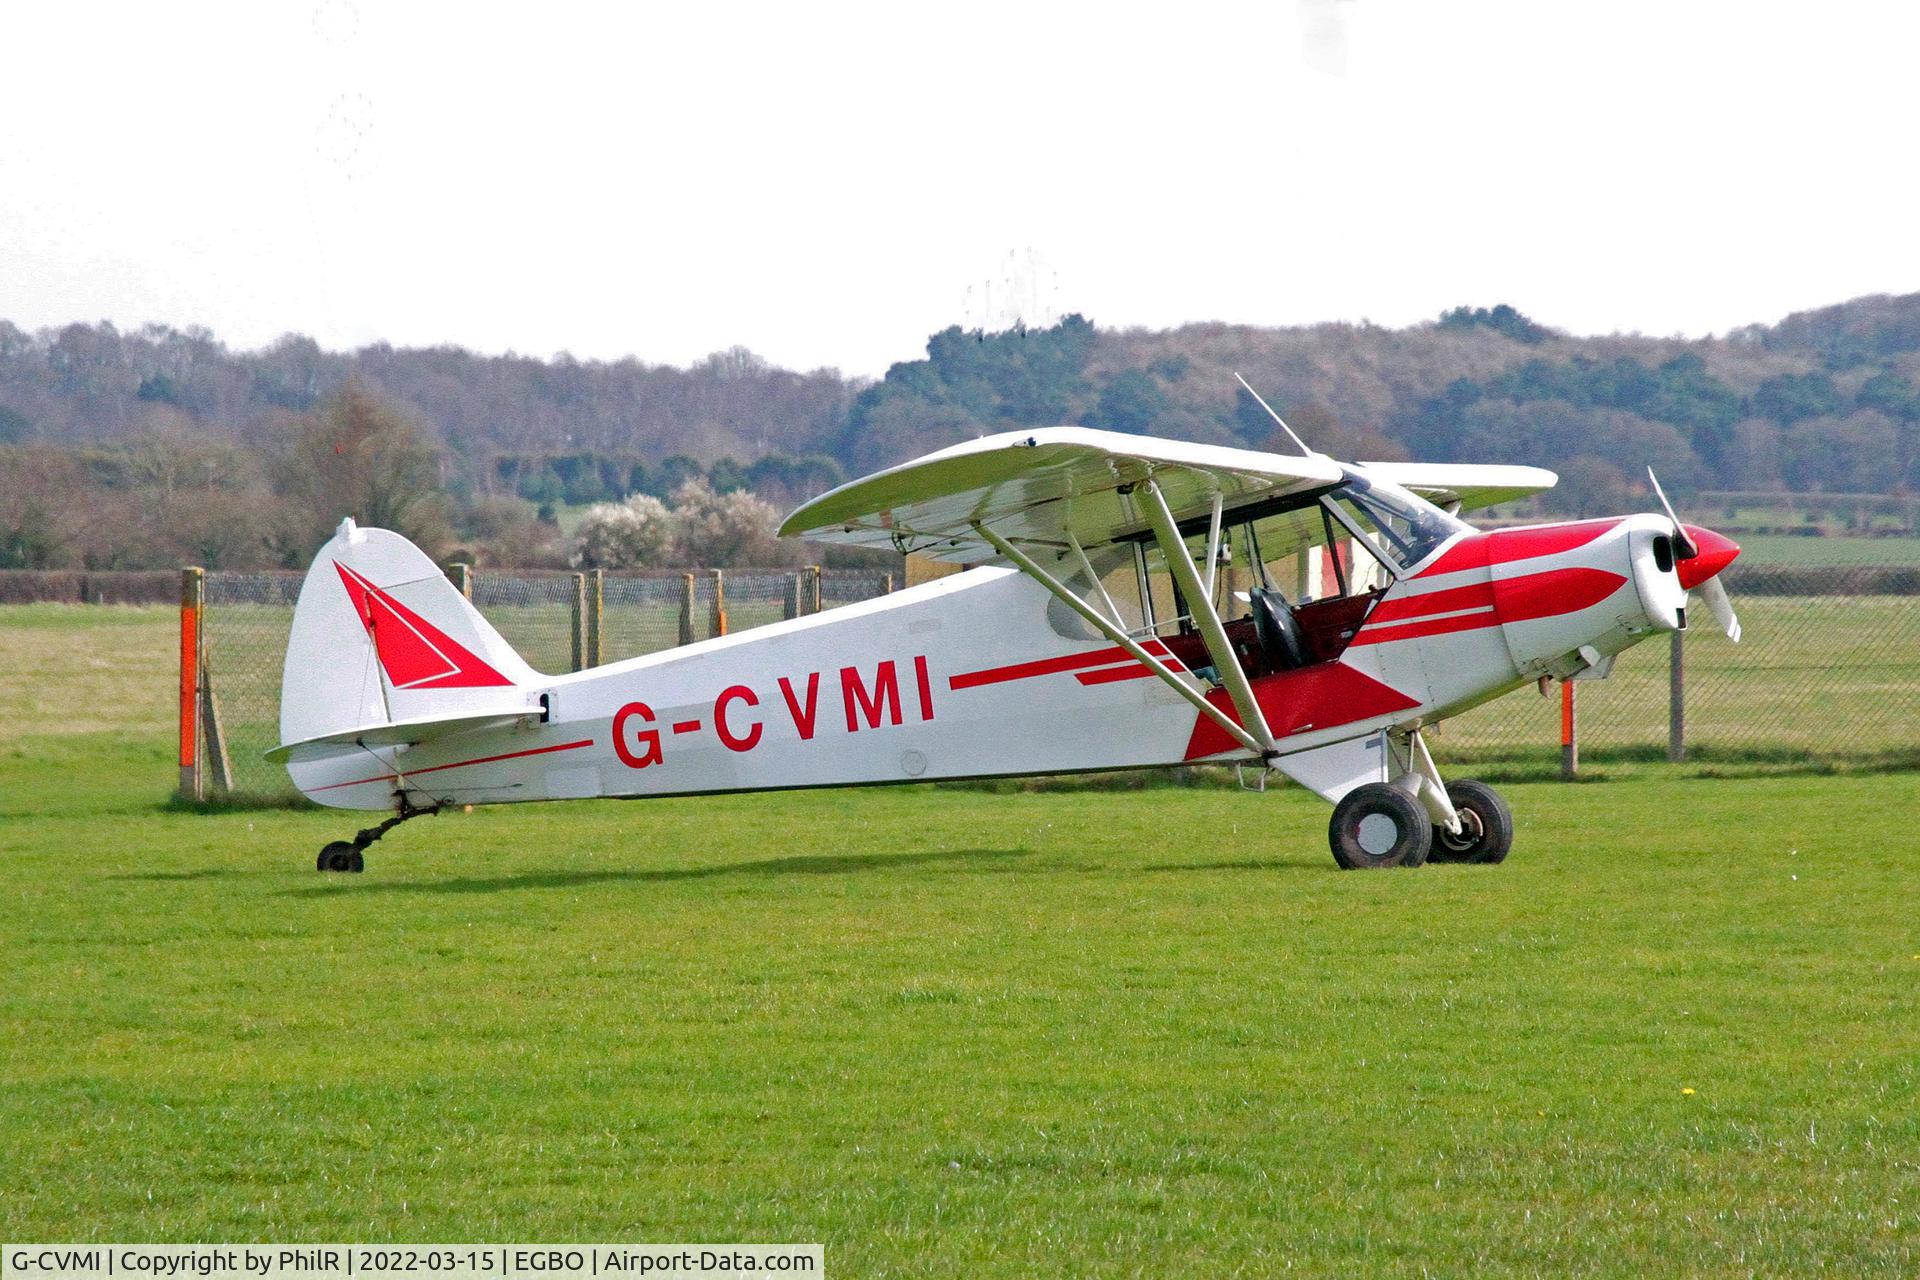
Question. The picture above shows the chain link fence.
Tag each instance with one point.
(556, 621)
(1827, 672)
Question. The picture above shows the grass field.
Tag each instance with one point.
(946, 1031)
(1840, 550)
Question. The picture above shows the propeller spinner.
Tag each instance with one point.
(1699, 555)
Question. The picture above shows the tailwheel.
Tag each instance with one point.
(1486, 826)
(1376, 825)
(340, 855)
(349, 855)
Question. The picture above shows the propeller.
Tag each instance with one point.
(1717, 599)
(1699, 556)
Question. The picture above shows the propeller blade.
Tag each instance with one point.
(1714, 592)
(1682, 543)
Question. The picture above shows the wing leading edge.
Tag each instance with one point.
(1471, 484)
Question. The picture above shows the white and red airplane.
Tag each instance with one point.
(1132, 603)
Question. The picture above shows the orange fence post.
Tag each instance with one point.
(192, 605)
(1569, 738)
(719, 619)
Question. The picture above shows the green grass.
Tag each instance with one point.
(952, 1032)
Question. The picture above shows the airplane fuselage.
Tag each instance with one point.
(975, 675)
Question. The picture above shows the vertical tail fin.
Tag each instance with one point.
(381, 636)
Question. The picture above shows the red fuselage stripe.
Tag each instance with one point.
(1504, 546)
(414, 773)
(1049, 666)
(1475, 595)
(1109, 675)
(1533, 595)
(1427, 627)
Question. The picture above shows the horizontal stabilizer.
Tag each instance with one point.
(396, 733)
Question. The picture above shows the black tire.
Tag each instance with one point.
(338, 856)
(1486, 833)
(1379, 826)
(356, 863)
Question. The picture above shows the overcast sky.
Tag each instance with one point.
(827, 184)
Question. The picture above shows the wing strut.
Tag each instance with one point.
(1226, 664)
(1121, 638)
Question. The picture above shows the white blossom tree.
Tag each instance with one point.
(637, 533)
(725, 529)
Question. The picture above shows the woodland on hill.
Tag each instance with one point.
(160, 446)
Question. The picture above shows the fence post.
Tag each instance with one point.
(596, 616)
(193, 600)
(810, 590)
(1569, 731)
(886, 585)
(791, 610)
(719, 618)
(579, 621)
(1676, 700)
(213, 734)
(686, 608)
(461, 574)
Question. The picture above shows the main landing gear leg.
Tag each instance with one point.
(1418, 818)
(349, 855)
(1471, 823)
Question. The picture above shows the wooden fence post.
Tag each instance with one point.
(1676, 700)
(686, 608)
(719, 616)
(192, 609)
(886, 585)
(1569, 731)
(596, 617)
(810, 590)
(579, 621)
(791, 609)
(461, 575)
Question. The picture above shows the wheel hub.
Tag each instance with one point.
(1467, 837)
(1377, 833)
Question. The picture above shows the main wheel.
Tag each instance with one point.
(1379, 826)
(1486, 826)
(338, 856)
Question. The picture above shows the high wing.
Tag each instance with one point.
(1470, 484)
(1047, 487)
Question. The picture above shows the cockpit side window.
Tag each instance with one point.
(1403, 527)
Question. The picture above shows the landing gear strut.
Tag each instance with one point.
(349, 855)
(1418, 818)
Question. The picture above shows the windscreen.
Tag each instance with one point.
(1408, 528)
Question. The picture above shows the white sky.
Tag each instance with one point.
(823, 183)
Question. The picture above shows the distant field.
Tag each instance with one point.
(1781, 549)
(950, 1032)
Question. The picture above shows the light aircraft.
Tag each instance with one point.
(1130, 603)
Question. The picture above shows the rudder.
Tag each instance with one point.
(380, 635)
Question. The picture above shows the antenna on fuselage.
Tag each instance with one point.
(1276, 417)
